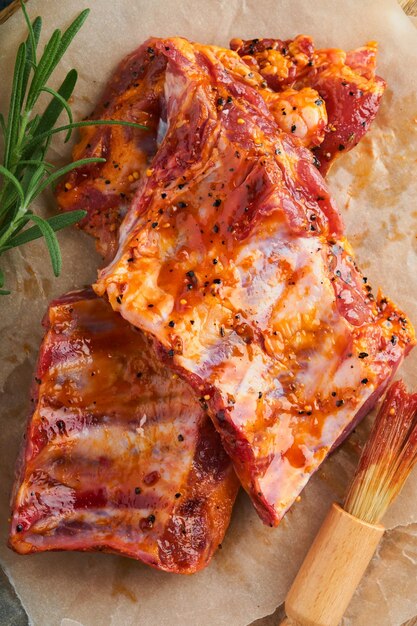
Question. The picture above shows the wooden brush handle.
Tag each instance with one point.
(331, 570)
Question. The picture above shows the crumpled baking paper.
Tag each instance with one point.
(376, 188)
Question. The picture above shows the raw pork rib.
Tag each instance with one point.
(326, 122)
(134, 94)
(233, 258)
(346, 81)
(119, 454)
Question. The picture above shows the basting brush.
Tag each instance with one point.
(350, 535)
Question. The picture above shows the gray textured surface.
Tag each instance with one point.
(11, 611)
(271, 620)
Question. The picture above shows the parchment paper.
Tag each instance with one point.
(376, 188)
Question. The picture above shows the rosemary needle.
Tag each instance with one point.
(25, 172)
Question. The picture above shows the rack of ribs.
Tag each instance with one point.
(233, 259)
(119, 455)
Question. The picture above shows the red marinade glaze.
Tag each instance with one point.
(135, 93)
(346, 81)
(119, 455)
(104, 190)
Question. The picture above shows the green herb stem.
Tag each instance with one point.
(25, 173)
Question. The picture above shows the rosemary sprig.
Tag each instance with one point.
(25, 172)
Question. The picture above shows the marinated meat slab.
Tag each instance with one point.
(345, 81)
(104, 190)
(233, 258)
(119, 454)
(327, 99)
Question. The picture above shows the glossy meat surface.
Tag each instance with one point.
(301, 113)
(119, 454)
(104, 190)
(346, 81)
(233, 258)
(325, 98)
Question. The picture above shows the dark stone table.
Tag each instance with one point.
(11, 611)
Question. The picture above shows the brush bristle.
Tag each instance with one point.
(387, 458)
